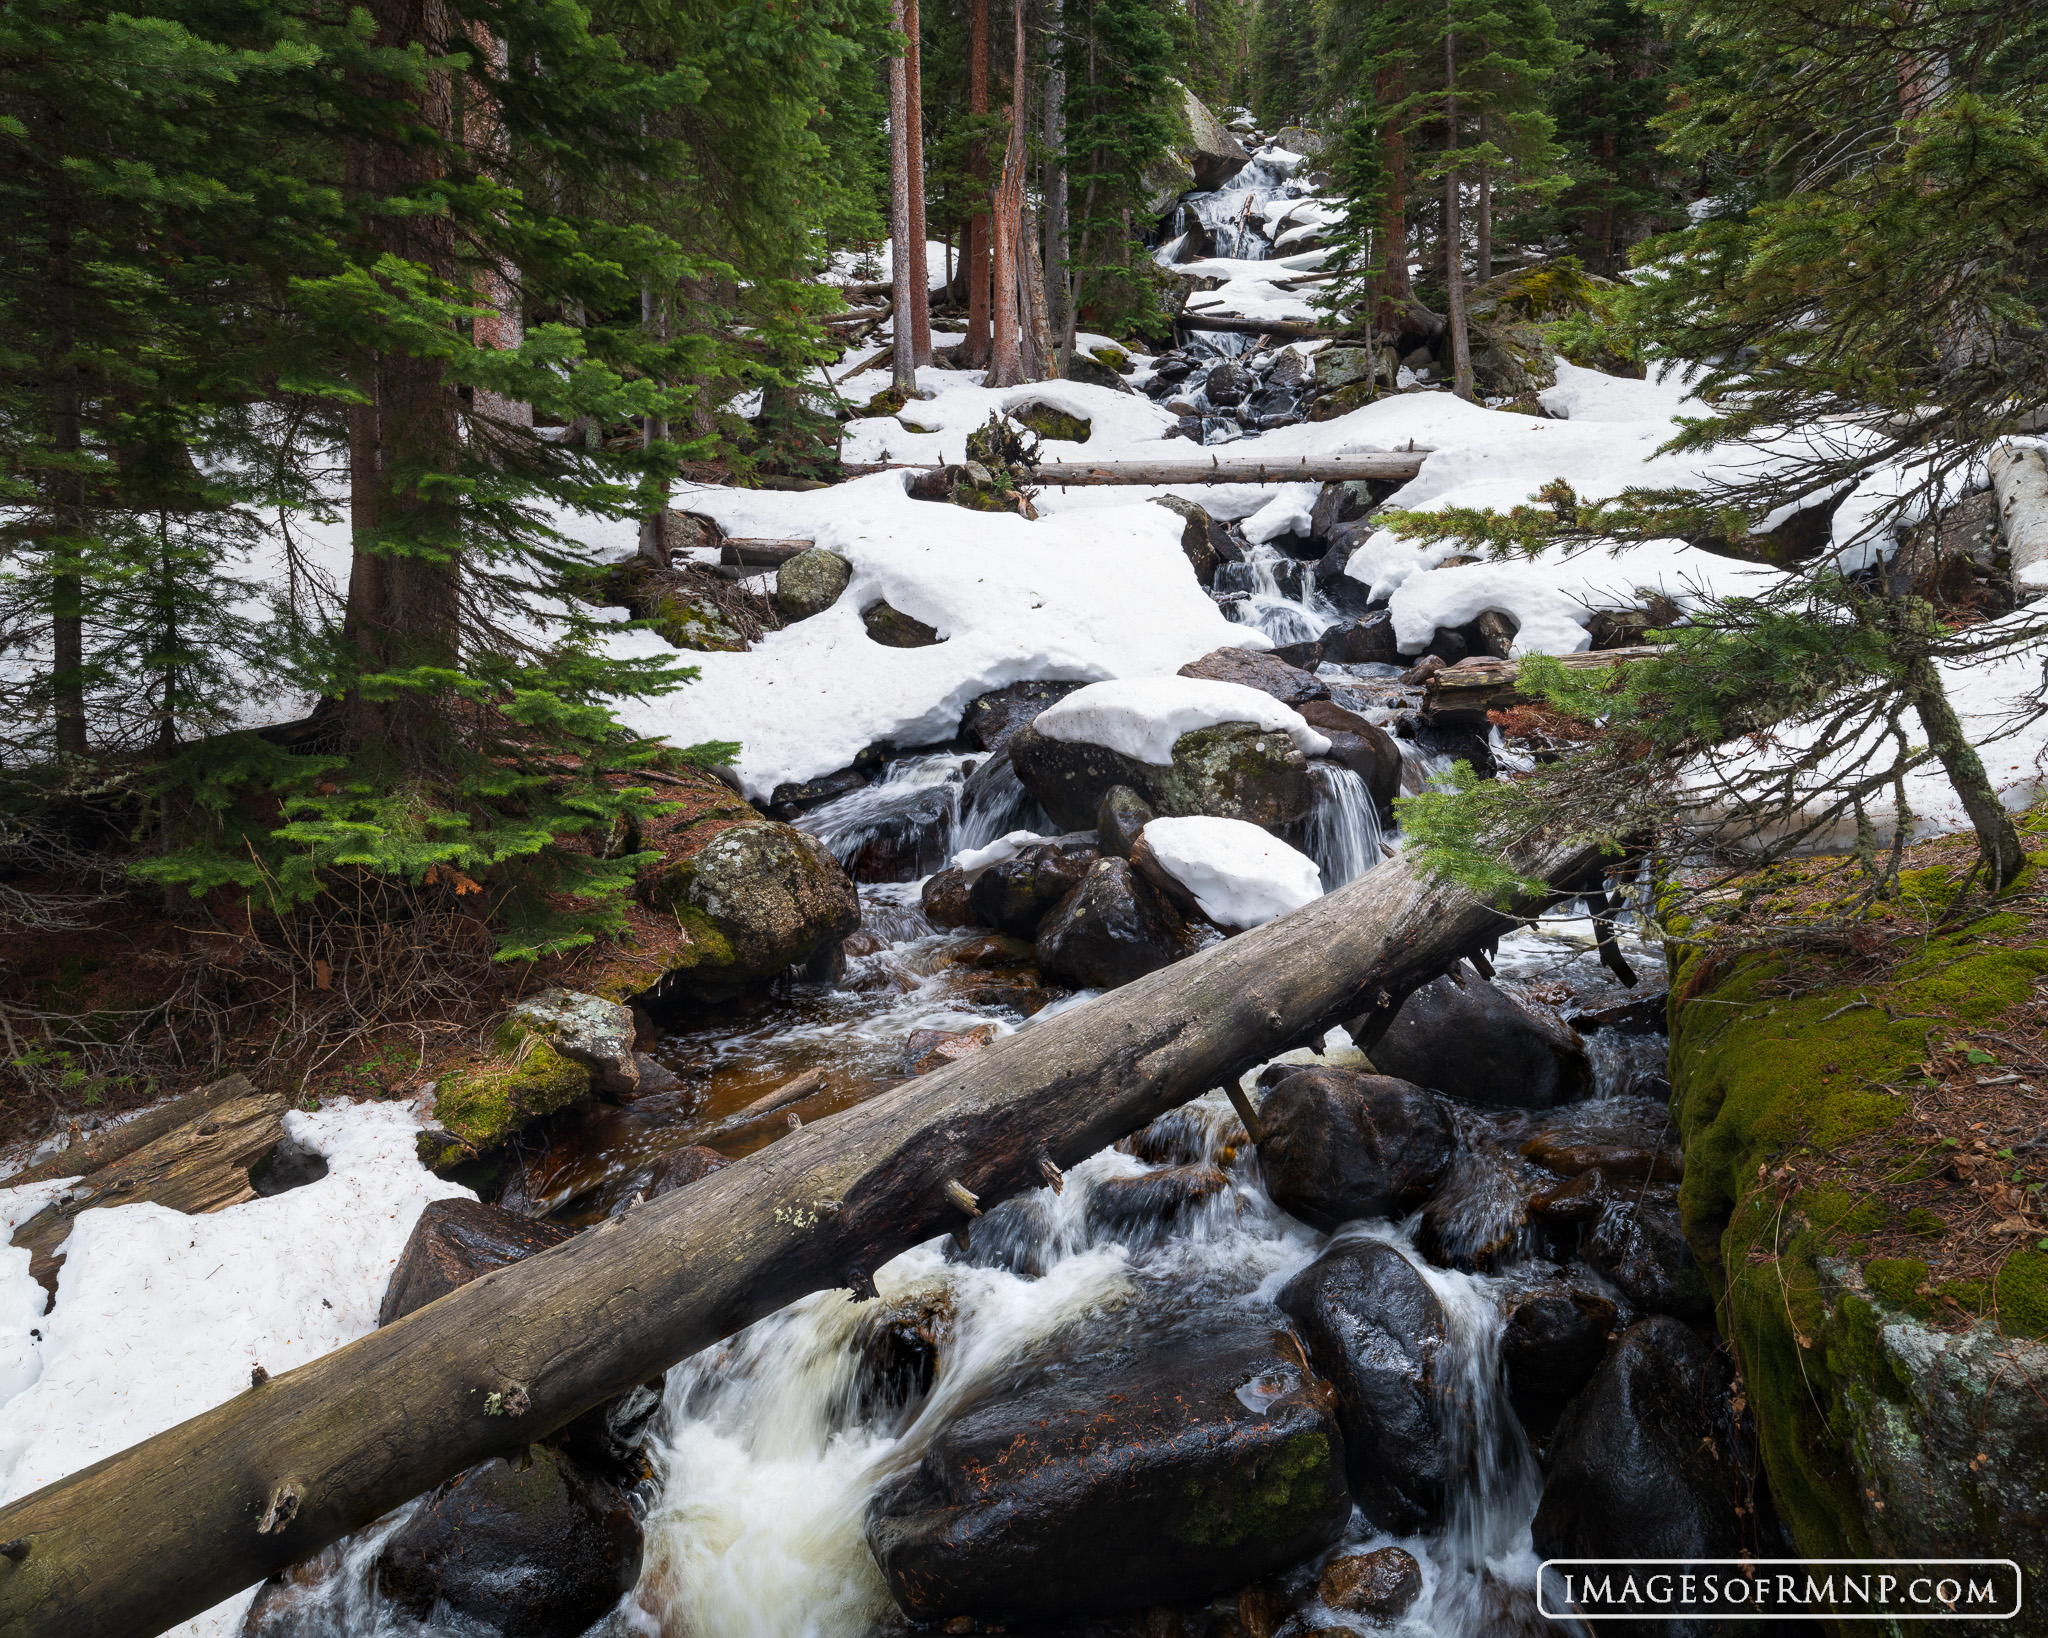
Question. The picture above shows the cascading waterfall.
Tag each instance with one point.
(1342, 832)
(1279, 596)
(899, 827)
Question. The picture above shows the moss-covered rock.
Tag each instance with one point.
(1111, 357)
(520, 1080)
(1197, 536)
(1234, 770)
(1049, 421)
(1895, 1408)
(1086, 367)
(683, 624)
(1510, 360)
(753, 901)
(810, 583)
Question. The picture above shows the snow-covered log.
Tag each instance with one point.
(2019, 476)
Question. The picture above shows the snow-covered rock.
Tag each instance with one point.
(1240, 875)
(1141, 717)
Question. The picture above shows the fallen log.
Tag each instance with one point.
(760, 554)
(154, 1534)
(200, 1166)
(1459, 696)
(106, 1147)
(2019, 477)
(1396, 466)
(1278, 329)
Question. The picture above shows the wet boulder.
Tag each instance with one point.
(1161, 1472)
(794, 798)
(1376, 1332)
(455, 1241)
(1114, 927)
(1379, 1584)
(1470, 1039)
(1288, 684)
(754, 899)
(540, 1549)
(1200, 536)
(1638, 1244)
(1553, 1341)
(1120, 1205)
(1651, 1461)
(587, 1030)
(810, 583)
(1234, 770)
(1367, 749)
(1367, 639)
(1082, 367)
(1342, 1145)
(679, 1168)
(1228, 383)
(1015, 895)
(990, 719)
(892, 628)
(1119, 821)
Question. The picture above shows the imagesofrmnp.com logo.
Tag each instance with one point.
(1780, 1589)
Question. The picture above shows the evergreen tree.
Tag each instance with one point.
(1285, 84)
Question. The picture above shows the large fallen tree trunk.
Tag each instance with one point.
(1459, 696)
(1278, 329)
(161, 1531)
(105, 1147)
(1397, 466)
(2019, 477)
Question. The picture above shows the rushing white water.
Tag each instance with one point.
(1342, 831)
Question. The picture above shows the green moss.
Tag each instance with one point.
(1052, 423)
(1897, 1280)
(487, 1103)
(695, 626)
(1922, 1221)
(1285, 1494)
(2021, 1292)
(1110, 357)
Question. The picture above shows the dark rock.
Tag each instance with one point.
(1015, 895)
(1304, 657)
(1269, 674)
(1232, 771)
(1202, 538)
(1119, 1204)
(1425, 668)
(1375, 1330)
(1552, 1342)
(1289, 577)
(990, 719)
(897, 1344)
(539, 1551)
(1381, 1584)
(1644, 1017)
(1367, 749)
(1187, 426)
(1353, 600)
(1476, 1219)
(1164, 1472)
(1491, 633)
(453, 1242)
(1342, 1145)
(1122, 815)
(1650, 1461)
(1448, 645)
(1113, 928)
(1339, 503)
(892, 628)
(1579, 1201)
(1569, 1155)
(1368, 640)
(1638, 1244)
(1187, 1136)
(1174, 367)
(946, 899)
(1227, 383)
(790, 800)
(930, 1049)
(1052, 422)
(1462, 1035)
(679, 1168)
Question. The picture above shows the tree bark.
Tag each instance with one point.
(1056, 249)
(1482, 260)
(654, 430)
(167, 1528)
(1006, 363)
(1394, 285)
(69, 523)
(502, 324)
(104, 1148)
(913, 136)
(1998, 840)
(1228, 469)
(1035, 346)
(1454, 249)
(974, 351)
(902, 269)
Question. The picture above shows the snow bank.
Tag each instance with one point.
(1141, 717)
(935, 429)
(1241, 876)
(160, 1316)
(1077, 597)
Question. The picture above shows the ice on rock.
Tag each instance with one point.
(1141, 717)
(1003, 847)
(1240, 875)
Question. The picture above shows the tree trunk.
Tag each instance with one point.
(1998, 841)
(1035, 346)
(1482, 269)
(1454, 249)
(169, 1527)
(1057, 253)
(106, 1147)
(902, 268)
(69, 522)
(654, 430)
(974, 351)
(502, 324)
(1006, 366)
(1394, 285)
(913, 170)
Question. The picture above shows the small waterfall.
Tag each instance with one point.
(899, 828)
(995, 803)
(1342, 831)
(1279, 596)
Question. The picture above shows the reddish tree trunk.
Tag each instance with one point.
(913, 136)
(902, 323)
(975, 349)
(1394, 286)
